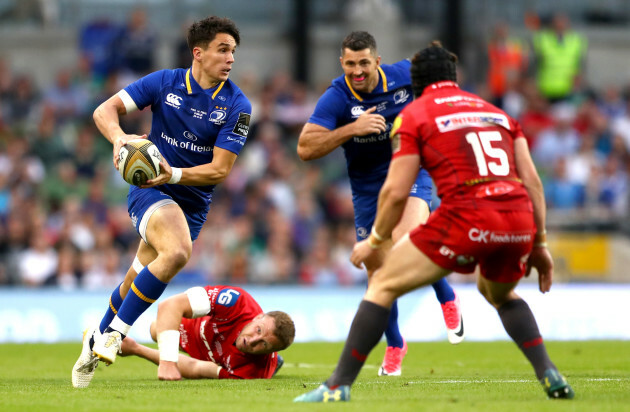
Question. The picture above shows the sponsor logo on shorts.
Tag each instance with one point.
(446, 251)
(471, 119)
(173, 100)
(490, 236)
(464, 260)
(134, 220)
(362, 232)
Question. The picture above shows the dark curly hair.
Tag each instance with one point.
(430, 65)
(202, 32)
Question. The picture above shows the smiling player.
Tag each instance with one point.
(356, 112)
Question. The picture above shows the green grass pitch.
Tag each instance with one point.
(472, 376)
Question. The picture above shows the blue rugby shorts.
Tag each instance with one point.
(365, 204)
(142, 203)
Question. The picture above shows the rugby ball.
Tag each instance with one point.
(139, 161)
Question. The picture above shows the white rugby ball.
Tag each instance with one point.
(139, 161)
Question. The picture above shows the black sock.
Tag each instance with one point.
(367, 328)
(518, 321)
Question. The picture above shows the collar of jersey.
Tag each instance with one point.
(191, 84)
(356, 95)
(434, 87)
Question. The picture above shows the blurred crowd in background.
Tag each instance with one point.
(275, 220)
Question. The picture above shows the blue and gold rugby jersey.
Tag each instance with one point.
(367, 157)
(188, 122)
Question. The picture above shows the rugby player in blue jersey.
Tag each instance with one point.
(356, 112)
(200, 123)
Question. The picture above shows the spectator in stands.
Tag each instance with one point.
(558, 141)
(613, 186)
(560, 191)
(584, 167)
(559, 55)
(67, 100)
(97, 43)
(102, 269)
(536, 115)
(137, 44)
(507, 63)
(621, 126)
(38, 263)
(22, 102)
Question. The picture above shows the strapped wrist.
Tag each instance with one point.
(376, 235)
(540, 239)
(168, 344)
(373, 241)
(176, 175)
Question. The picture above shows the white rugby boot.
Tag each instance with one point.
(83, 370)
(108, 346)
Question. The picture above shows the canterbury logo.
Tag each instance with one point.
(357, 111)
(173, 100)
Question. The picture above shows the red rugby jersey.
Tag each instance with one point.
(212, 337)
(467, 146)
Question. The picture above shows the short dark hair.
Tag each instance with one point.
(202, 32)
(430, 65)
(285, 328)
(359, 40)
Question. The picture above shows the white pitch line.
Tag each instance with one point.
(452, 381)
(317, 365)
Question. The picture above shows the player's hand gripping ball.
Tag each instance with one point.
(139, 161)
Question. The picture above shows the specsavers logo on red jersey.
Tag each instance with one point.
(471, 119)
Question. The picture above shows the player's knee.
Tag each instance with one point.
(382, 291)
(495, 298)
(177, 257)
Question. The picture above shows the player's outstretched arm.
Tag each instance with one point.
(170, 313)
(316, 141)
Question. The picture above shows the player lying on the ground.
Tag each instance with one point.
(222, 328)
